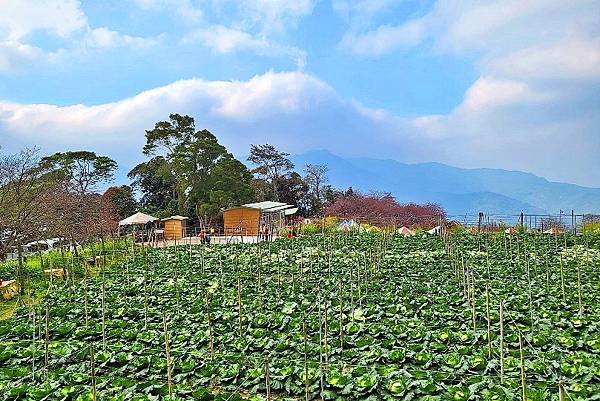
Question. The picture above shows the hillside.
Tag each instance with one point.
(458, 190)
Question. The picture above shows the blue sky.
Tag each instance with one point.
(512, 84)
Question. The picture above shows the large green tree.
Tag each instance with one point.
(271, 165)
(157, 184)
(122, 199)
(83, 169)
(203, 175)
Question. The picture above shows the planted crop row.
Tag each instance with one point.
(339, 316)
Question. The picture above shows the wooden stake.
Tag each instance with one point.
(168, 353)
(523, 384)
(502, 342)
(489, 320)
(305, 359)
(267, 379)
(239, 299)
(93, 370)
(46, 343)
(561, 390)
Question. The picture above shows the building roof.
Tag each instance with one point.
(139, 218)
(265, 205)
(289, 212)
(176, 217)
(279, 208)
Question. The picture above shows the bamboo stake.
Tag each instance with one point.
(341, 317)
(305, 359)
(210, 329)
(267, 379)
(168, 354)
(103, 319)
(85, 299)
(46, 343)
(93, 370)
(562, 275)
(33, 347)
(523, 383)
(489, 320)
(502, 342)
(239, 300)
(561, 390)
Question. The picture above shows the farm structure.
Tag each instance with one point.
(249, 218)
(174, 227)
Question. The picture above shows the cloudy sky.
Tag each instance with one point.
(513, 84)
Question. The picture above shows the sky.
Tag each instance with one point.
(512, 84)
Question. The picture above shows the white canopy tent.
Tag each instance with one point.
(405, 231)
(435, 230)
(138, 219)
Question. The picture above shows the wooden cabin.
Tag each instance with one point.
(174, 227)
(241, 221)
(247, 219)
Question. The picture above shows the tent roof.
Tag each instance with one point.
(176, 217)
(138, 218)
(435, 230)
(405, 231)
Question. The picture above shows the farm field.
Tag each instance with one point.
(340, 316)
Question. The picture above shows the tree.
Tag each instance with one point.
(384, 210)
(158, 185)
(25, 191)
(315, 176)
(122, 200)
(190, 169)
(270, 164)
(230, 185)
(293, 190)
(83, 169)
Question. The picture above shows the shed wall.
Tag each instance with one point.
(174, 229)
(241, 221)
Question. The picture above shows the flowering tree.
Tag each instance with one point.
(384, 210)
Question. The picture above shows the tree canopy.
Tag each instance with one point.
(190, 171)
(83, 169)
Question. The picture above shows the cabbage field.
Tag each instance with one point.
(339, 316)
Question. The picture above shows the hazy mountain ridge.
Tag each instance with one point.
(459, 190)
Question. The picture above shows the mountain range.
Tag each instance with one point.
(459, 190)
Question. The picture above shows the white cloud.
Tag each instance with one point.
(364, 8)
(273, 15)
(385, 38)
(182, 8)
(18, 18)
(574, 59)
(487, 93)
(106, 38)
(537, 91)
(292, 108)
(297, 112)
(61, 18)
(225, 40)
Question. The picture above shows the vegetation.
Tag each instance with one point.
(340, 316)
(384, 210)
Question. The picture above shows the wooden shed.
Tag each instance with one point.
(247, 219)
(241, 221)
(174, 227)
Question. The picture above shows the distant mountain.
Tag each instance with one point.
(458, 190)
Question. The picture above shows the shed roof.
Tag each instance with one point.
(265, 205)
(176, 217)
(278, 208)
(289, 212)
